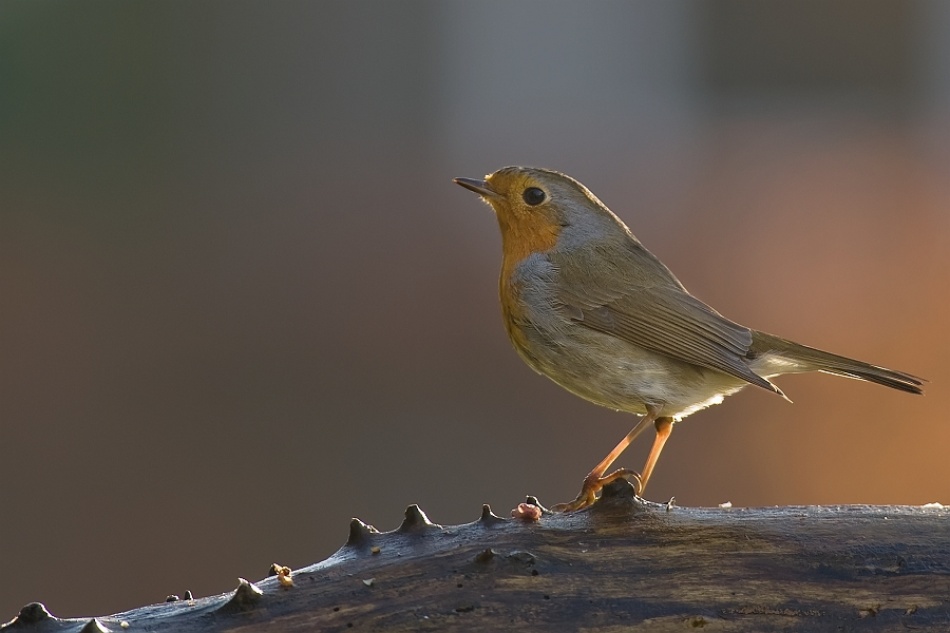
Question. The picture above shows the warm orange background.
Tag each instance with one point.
(241, 300)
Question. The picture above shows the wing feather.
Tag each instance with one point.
(662, 317)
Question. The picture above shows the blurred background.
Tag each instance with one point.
(241, 300)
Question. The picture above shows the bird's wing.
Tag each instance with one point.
(662, 317)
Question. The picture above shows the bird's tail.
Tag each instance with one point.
(803, 358)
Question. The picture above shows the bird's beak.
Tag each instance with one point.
(478, 186)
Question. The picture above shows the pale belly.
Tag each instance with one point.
(615, 374)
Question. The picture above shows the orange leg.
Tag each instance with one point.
(664, 426)
(597, 480)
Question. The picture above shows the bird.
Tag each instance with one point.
(587, 305)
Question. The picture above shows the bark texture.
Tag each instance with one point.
(623, 565)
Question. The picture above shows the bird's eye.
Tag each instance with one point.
(533, 196)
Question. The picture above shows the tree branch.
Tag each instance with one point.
(622, 563)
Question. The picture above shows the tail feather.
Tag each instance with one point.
(804, 358)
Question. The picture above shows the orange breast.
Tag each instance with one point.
(522, 236)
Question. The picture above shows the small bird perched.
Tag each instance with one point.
(586, 305)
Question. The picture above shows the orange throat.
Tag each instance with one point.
(525, 235)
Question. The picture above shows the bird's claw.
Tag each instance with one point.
(593, 485)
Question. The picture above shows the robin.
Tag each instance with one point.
(588, 306)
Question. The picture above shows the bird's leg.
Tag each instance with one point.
(664, 426)
(597, 480)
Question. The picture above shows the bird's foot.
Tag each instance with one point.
(593, 484)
